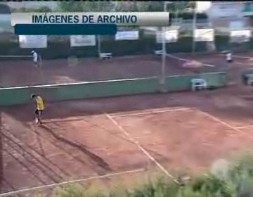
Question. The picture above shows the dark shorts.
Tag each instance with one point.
(38, 112)
(229, 61)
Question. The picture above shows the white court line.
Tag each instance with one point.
(183, 59)
(221, 121)
(243, 57)
(68, 182)
(120, 114)
(228, 125)
(238, 56)
(239, 63)
(244, 127)
(142, 149)
(149, 112)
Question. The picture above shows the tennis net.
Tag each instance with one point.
(13, 58)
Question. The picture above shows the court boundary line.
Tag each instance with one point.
(142, 149)
(242, 57)
(147, 112)
(71, 181)
(238, 56)
(222, 122)
(187, 60)
(244, 127)
(119, 114)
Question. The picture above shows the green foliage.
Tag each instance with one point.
(145, 45)
(188, 15)
(86, 6)
(40, 9)
(4, 9)
(238, 184)
(139, 6)
(70, 191)
(180, 6)
(210, 186)
(123, 6)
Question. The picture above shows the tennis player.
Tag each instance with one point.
(39, 108)
(35, 58)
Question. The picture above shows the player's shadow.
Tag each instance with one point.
(98, 160)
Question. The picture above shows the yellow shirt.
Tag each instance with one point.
(39, 103)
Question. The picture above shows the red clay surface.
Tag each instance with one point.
(182, 131)
(23, 73)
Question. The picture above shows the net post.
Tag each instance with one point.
(40, 60)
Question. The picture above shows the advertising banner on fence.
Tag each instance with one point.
(239, 36)
(170, 36)
(127, 35)
(204, 35)
(80, 40)
(33, 41)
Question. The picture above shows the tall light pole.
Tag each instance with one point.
(98, 36)
(194, 27)
(164, 52)
(99, 44)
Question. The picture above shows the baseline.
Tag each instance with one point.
(71, 181)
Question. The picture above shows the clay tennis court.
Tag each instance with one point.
(88, 69)
(165, 133)
(94, 69)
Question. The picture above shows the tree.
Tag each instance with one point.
(139, 6)
(4, 9)
(40, 9)
(180, 6)
(123, 6)
(86, 6)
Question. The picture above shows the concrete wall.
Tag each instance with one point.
(21, 95)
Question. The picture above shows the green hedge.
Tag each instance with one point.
(145, 45)
(188, 15)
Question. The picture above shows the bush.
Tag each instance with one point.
(238, 184)
(59, 46)
(188, 15)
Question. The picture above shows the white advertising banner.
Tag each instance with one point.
(33, 41)
(80, 40)
(170, 36)
(203, 35)
(127, 35)
(203, 6)
(238, 36)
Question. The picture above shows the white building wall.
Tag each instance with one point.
(225, 10)
(227, 15)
